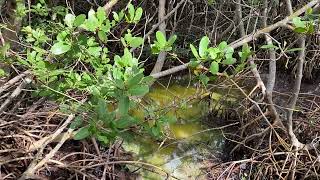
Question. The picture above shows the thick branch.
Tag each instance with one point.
(162, 27)
(272, 67)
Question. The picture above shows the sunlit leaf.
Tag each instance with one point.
(214, 67)
(69, 19)
(138, 15)
(203, 46)
(79, 20)
(161, 39)
(60, 48)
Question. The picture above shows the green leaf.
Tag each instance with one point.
(138, 15)
(138, 90)
(116, 16)
(124, 122)
(101, 14)
(123, 105)
(119, 83)
(172, 39)
(132, 81)
(300, 30)
(223, 45)
(102, 138)
(77, 122)
(161, 39)
(2, 73)
(60, 48)
(131, 11)
(82, 133)
(213, 53)
(69, 19)
(101, 109)
(269, 46)
(297, 22)
(203, 46)
(194, 51)
(229, 61)
(102, 36)
(136, 42)
(95, 51)
(214, 68)
(62, 35)
(147, 80)
(92, 23)
(79, 20)
(294, 49)
(204, 79)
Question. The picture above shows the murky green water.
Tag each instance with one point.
(183, 152)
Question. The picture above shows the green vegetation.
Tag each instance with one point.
(91, 61)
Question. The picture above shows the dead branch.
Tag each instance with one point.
(14, 94)
(13, 81)
(108, 6)
(34, 165)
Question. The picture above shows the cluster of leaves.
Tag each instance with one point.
(74, 59)
(306, 24)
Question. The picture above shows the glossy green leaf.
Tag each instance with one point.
(79, 20)
(223, 45)
(213, 52)
(136, 42)
(69, 19)
(229, 61)
(194, 51)
(203, 46)
(297, 22)
(138, 15)
(101, 14)
(102, 36)
(82, 133)
(60, 48)
(138, 90)
(161, 39)
(94, 51)
(172, 39)
(92, 22)
(214, 68)
(115, 16)
(131, 11)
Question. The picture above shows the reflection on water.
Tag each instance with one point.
(183, 152)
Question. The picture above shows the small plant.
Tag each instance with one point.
(162, 44)
(77, 61)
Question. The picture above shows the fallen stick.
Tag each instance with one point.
(34, 165)
(14, 94)
(13, 81)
